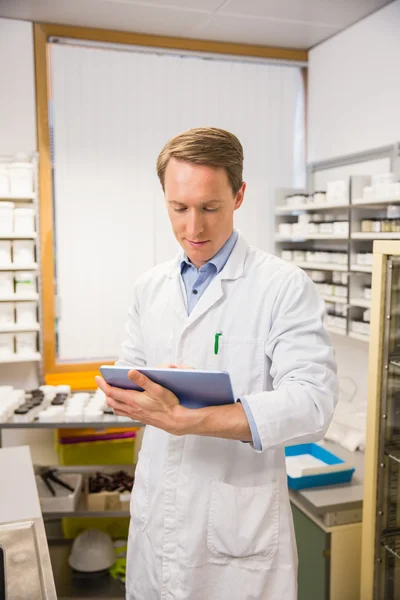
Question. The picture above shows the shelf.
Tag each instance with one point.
(98, 425)
(8, 197)
(359, 336)
(358, 235)
(283, 210)
(392, 546)
(336, 330)
(361, 302)
(18, 236)
(319, 266)
(361, 268)
(311, 236)
(82, 511)
(18, 328)
(26, 267)
(372, 203)
(335, 299)
(35, 357)
(19, 298)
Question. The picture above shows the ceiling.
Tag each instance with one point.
(283, 23)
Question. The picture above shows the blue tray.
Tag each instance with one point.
(321, 479)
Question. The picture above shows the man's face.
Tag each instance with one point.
(200, 204)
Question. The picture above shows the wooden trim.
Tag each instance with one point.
(76, 373)
(373, 423)
(173, 43)
(345, 563)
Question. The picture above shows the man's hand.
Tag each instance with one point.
(155, 406)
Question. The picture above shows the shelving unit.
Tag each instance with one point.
(15, 328)
(21, 358)
(20, 298)
(351, 206)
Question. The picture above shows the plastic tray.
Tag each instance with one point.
(64, 500)
(335, 470)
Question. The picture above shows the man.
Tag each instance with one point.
(210, 513)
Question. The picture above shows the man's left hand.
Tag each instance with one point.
(155, 406)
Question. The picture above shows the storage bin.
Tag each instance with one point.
(26, 313)
(23, 252)
(25, 283)
(6, 283)
(7, 313)
(64, 500)
(21, 178)
(6, 217)
(26, 343)
(24, 220)
(4, 181)
(117, 527)
(325, 467)
(5, 252)
(6, 345)
(109, 452)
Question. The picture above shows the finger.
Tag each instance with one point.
(144, 382)
(121, 409)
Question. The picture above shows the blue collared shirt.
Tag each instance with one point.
(196, 281)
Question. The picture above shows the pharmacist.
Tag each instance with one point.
(211, 518)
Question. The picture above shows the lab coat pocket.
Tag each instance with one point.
(140, 494)
(244, 522)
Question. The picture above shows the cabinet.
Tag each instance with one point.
(380, 574)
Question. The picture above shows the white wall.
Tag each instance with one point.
(17, 85)
(354, 87)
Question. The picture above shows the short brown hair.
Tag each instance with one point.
(205, 146)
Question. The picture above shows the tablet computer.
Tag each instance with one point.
(194, 389)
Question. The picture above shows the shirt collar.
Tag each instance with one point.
(220, 259)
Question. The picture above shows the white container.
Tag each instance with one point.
(368, 293)
(318, 276)
(23, 252)
(341, 228)
(21, 178)
(5, 252)
(367, 315)
(340, 290)
(299, 255)
(6, 345)
(26, 343)
(287, 255)
(64, 500)
(285, 229)
(24, 220)
(63, 389)
(26, 313)
(6, 283)
(6, 218)
(25, 283)
(319, 197)
(326, 228)
(7, 313)
(4, 181)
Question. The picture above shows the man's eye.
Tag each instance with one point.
(179, 209)
(210, 209)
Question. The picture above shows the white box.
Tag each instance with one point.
(23, 252)
(6, 217)
(341, 228)
(24, 220)
(6, 283)
(5, 252)
(21, 178)
(6, 345)
(26, 343)
(4, 181)
(64, 499)
(25, 283)
(7, 315)
(287, 255)
(26, 313)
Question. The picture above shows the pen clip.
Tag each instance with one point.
(216, 342)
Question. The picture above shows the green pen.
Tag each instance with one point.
(216, 342)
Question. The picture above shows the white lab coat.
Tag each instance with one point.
(211, 518)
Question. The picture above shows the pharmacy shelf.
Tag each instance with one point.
(283, 210)
(99, 425)
(15, 358)
(336, 330)
(25, 267)
(319, 266)
(15, 328)
(22, 198)
(361, 302)
(358, 336)
(361, 268)
(20, 298)
(311, 236)
(374, 203)
(18, 236)
(82, 511)
(358, 235)
(335, 299)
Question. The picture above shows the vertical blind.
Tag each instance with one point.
(112, 112)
